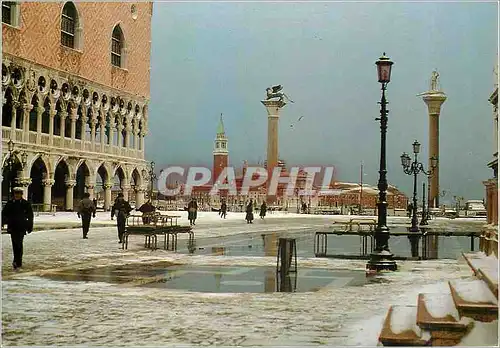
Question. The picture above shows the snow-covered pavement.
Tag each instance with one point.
(39, 311)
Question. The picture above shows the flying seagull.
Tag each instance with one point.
(300, 118)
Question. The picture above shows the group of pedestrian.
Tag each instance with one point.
(249, 212)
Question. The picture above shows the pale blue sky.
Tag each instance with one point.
(212, 58)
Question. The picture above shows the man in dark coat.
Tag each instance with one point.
(121, 209)
(263, 210)
(86, 210)
(249, 216)
(192, 211)
(223, 209)
(147, 209)
(18, 216)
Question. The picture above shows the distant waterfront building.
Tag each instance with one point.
(75, 83)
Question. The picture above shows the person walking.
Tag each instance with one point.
(86, 210)
(18, 216)
(192, 211)
(121, 209)
(223, 209)
(249, 210)
(263, 210)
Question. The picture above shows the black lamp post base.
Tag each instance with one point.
(381, 261)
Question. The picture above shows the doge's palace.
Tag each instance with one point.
(75, 93)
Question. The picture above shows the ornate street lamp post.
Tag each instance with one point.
(152, 178)
(381, 258)
(413, 168)
(426, 212)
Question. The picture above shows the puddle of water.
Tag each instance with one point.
(218, 279)
(266, 245)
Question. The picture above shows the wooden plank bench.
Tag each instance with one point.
(153, 225)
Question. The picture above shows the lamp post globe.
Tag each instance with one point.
(414, 168)
(381, 258)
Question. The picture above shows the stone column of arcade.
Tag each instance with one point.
(47, 193)
(73, 117)
(273, 108)
(70, 184)
(434, 99)
(107, 196)
(26, 122)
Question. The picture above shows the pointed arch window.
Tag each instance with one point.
(69, 21)
(117, 45)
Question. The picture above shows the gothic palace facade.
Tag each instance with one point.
(75, 88)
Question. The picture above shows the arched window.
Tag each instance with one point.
(117, 47)
(69, 21)
(10, 13)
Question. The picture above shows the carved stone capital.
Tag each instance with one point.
(107, 186)
(73, 114)
(40, 110)
(63, 114)
(90, 185)
(24, 182)
(70, 183)
(27, 107)
(48, 182)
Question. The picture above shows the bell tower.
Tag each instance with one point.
(220, 151)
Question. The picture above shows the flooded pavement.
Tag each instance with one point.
(90, 292)
(219, 279)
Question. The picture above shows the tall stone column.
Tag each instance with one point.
(70, 184)
(52, 115)
(434, 98)
(47, 193)
(39, 115)
(26, 122)
(107, 196)
(273, 108)
(74, 117)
